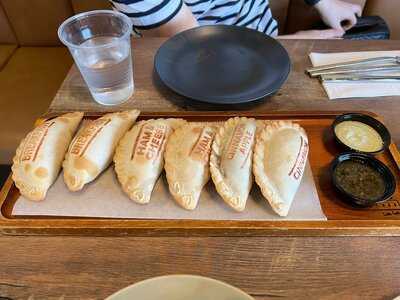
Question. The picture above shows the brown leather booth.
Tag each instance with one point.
(33, 63)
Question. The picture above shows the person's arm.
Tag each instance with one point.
(335, 14)
(325, 34)
(157, 17)
(183, 20)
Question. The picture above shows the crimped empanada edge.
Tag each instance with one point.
(268, 190)
(222, 188)
(123, 151)
(27, 189)
(169, 166)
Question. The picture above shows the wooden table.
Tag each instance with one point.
(265, 267)
(298, 93)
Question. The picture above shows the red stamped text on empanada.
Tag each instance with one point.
(241, 142)
(202, 148)
(34, 141)
(86, 135)
(150, 141)
(301, 159)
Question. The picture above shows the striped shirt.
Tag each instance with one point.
(253, 14)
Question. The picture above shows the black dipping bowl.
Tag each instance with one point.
(390, 182)
(374, 123)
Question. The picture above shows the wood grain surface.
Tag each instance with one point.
(299, 92)
(266, 268)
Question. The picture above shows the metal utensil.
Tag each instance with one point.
(359, 77)
(356, 63)
(387, 68)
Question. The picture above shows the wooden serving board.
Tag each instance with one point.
(381, 219)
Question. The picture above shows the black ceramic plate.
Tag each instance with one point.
(222, 64)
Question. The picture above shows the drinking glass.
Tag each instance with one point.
(99, 42)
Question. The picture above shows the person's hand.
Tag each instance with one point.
(315, 34)
(338, 14)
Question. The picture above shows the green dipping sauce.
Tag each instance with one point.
(360, 180)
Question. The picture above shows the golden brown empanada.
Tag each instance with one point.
(93, 147)
(280, 156)
(187, 157)
(231, 160)
(39, 156)
(139, 158)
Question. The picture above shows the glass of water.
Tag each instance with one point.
(99, 41)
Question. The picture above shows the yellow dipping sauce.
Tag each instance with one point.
(359, 136)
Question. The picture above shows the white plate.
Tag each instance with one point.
(180, 287)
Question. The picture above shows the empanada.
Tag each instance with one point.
(187, 157)
(280, 156)
(93, 147)
(231, 160)
(39, 156)
(139, 157)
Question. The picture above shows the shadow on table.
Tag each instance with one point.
(4, 173)
(189, 104)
